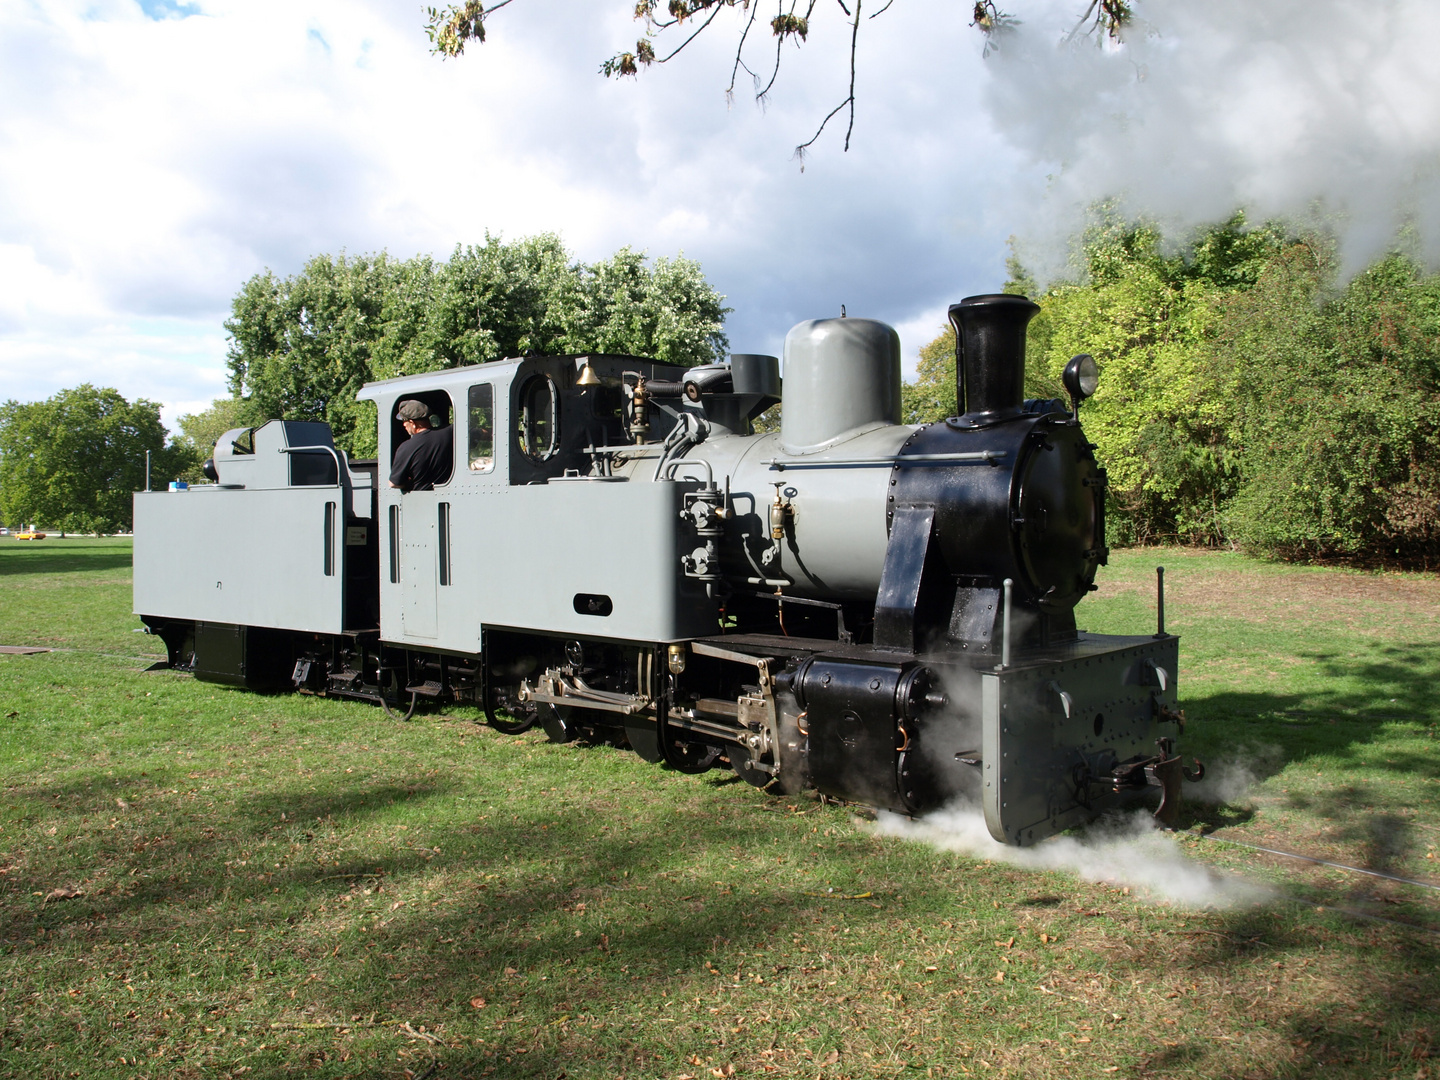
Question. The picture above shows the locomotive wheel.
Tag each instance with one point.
(684, 756)
(511, 724)
(520, 718)
(566, 723)
(740, 761)
(691, 758)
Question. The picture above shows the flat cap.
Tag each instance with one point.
(412, 410)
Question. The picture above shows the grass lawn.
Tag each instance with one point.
(202, 882)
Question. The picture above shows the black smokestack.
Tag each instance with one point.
(990, 355)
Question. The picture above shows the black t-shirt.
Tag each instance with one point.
(424, 460)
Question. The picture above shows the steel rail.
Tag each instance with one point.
(1320, 862)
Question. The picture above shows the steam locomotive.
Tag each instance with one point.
(879, 611)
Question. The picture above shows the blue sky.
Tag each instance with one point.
(155, 155)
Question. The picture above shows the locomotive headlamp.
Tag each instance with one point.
(676, 659)
(1081, 377)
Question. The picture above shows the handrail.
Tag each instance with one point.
(989, 457)
(668, 470)
(340, 469)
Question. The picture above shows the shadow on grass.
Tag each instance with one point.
(1365, 1022)
(581, 934)
(1357, 698)
(182, 853)
(70, 556)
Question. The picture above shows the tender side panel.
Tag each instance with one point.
(1044, 770)
(247, 558)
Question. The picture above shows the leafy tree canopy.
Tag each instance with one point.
(1246, 396)
(72, 461)
(199, 432)
(302, 346)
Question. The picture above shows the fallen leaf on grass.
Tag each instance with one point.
(64, 892)
(831, 1058)
(122, 804)
(11, 715)
(477, 1003)
(999, 976)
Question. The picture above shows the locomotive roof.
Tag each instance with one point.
(372, 390)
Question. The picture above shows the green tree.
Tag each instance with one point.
(72, 461)
(1244, 396)
(931, 396)
(199, 432)
(1337, 396)
(302, 346)
(1164, 411)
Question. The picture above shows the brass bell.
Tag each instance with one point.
(587, 375)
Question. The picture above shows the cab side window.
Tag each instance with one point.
(482, 428)
(536, 425)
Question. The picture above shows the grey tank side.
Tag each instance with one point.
(835, 542)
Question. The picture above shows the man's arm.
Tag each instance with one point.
(401, 467)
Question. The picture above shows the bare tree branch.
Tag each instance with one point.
(850, 101)
(451, 28)
(739, 53)
(698, 31)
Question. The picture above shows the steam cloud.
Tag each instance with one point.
(1230, 780)
(1290, 109)
(1124, 851)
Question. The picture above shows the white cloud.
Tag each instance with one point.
(1286, 108)
(149, 164)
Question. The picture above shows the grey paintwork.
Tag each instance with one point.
(522, 545)
(251, 550)
(520, 553)
(835, 544)
(1031, 748)
(841, 376)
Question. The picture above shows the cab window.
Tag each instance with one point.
(482, 428)
(536, 422)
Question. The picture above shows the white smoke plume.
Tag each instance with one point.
(1288, 109)
(1126, 851)
(1231, 780)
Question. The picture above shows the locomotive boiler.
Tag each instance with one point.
(880, 611)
